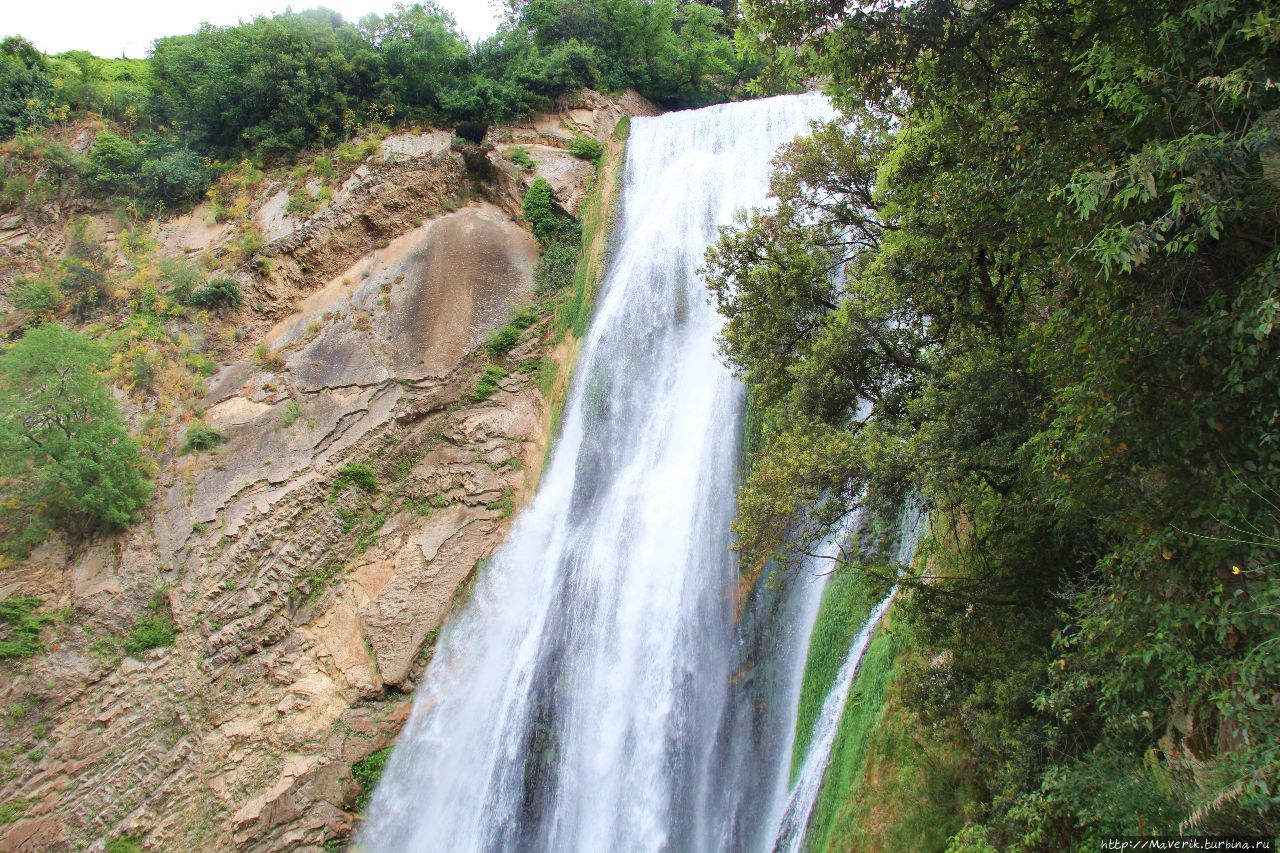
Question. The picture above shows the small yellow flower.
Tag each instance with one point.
(1235, 570)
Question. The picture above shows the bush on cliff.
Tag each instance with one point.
(66, 459)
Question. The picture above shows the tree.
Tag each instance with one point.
(1045, 256)
(25, 87)
(66, 458)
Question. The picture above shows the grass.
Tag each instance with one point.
(367, 771)
(844, 610)
(202, 437)
(574, 310)
(586, 148)
(487, 384)
(150, 632)
(318, 578)
(124, 844)
(519, 155)
(292, 411)
(893, 782)
(504, 340)
(12, 810)
(23, 623)
(355, 474)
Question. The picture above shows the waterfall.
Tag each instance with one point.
(587, 697)
(798, 812)
(804, 795)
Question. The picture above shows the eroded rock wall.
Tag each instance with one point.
(305, 610)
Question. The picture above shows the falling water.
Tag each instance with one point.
(586, 699)
(796, 816)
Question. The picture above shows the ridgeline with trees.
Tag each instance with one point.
(1043, 248)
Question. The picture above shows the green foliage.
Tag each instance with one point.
(124, 844)
(114, 163)
(519, 155)
(202, 437)
(846, 603)
(66, 459)
(1068, 344)
(292, 411)
(487, 383)
(117, 88)
(367, 771)
(540, 211)
(555, 269)
(221, 291)
(157, 170)
(150, 632)
(26, 89)
(357, 474)
(894, 781)
(82, 274)
(182, 276)
(503, 340)
(176, 176)
(22, 625)
(12, 810)
(587, 148)
(37, 295)
(276, 83)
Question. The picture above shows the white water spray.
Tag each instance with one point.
(584, 700)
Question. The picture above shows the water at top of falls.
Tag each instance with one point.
(585, 698)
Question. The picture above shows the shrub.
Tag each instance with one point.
(183, 277)
(202, 437)
(25, 86)
(367, 771)
(322, 167)
(540, 210)
(355, 474)
(150, 632)
(222, 291)
(519, 155)
(175, 176)
(487, 384)
(12, 810)
(18, 615)
(66, 458)
(292, 411)
(502, 341)
(555, 269)
(13, 191)
(586, 148)
(124, 844)
(114, 163)
(39, 296)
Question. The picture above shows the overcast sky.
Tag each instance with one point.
(129, 26)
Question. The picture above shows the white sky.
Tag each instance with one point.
(109, 28)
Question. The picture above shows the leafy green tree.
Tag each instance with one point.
(114, 163)
(66, 459)
(1043, 253)
(271, 83)
(421, 56)
(175, 176)
(25, 87)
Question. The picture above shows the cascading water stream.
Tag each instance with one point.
(586, 699)
(798, 812)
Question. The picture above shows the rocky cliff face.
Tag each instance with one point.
(306, 592)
